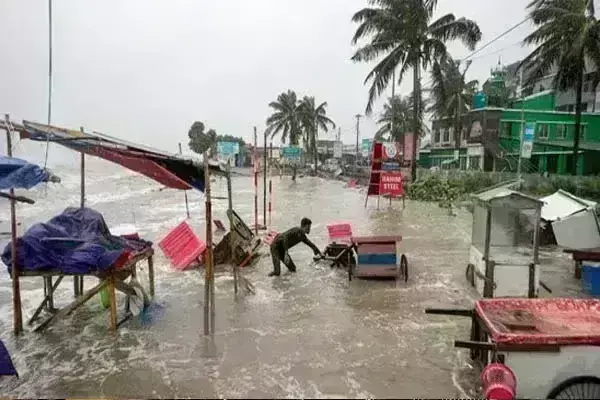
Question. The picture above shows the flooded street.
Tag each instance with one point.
(311, 334)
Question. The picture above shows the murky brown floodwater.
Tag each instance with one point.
(311, 334)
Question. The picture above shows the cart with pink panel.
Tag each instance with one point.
(534, 348)
(365, 256)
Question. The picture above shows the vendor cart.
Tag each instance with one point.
(503, 257)
(379, 257)
(539, 348)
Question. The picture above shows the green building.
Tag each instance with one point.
(490, 139)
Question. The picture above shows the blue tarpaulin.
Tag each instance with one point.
(20, 174)
(6, 364)
(76, 241)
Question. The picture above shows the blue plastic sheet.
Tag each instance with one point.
(6, 364)
(20, 174)
(76, 241)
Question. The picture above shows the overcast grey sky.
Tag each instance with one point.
(144, 70)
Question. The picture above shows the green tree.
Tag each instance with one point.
(451, 95)
(567, 35)
(201, 141)
(313, 118)
(395, 119)
(393, 127)
(285, 120)
(402, 32)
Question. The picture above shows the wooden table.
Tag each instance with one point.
(113, 279)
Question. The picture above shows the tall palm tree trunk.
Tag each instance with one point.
(458, 123)
(416, 122)
(579, 92)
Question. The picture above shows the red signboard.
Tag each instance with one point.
(390, 183)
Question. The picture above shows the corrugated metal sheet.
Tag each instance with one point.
(562, 204)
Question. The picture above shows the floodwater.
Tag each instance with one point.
(311, 334)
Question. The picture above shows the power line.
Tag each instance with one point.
(495, 39)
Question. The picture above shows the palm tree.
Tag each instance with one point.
(395, 119)
(313, 118)
(285, 120)
(567, 37)
(402, 32)
(450, 93)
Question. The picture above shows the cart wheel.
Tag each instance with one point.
(404, 267)
(470, 274)
(578, 388)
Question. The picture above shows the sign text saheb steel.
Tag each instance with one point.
(391, 183)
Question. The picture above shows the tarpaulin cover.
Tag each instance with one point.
(171, 170)
(558, 321)
(19, 174)
(6, 365)
(76, 241)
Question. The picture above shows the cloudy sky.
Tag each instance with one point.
(144, 70)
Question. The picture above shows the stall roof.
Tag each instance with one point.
(502, 193)
(562, 204)
(173, 171)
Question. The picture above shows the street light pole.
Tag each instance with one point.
(522, 128)
(358, 117)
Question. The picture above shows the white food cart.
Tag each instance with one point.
(548, 348)
(503, 257)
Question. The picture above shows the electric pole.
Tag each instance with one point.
(358, 117)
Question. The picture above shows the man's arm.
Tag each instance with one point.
(310, 244)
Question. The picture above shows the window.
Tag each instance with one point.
(561, 131)
(542, 131)
(446, 136)
(436, 136)
(451, 135)
(507, 129)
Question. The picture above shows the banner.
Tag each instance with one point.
(337, 149)
(291, 153)
(390, 183)
(528, 135)
(227, 150)
(367, 145)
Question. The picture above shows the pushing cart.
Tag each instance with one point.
(535, 348)
(365, 256)
(503, 257)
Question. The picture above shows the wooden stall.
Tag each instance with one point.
(173, 171)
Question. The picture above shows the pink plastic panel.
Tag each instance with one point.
(340, 233)
(270, 237)
(182, 247)
(560, 321)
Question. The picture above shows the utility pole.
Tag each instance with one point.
(358, 117)
(392, 124)
(522, 128)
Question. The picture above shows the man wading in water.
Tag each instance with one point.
(287, 240)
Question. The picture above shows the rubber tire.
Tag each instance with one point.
(572, 383)
(470, 274)
(404, 267)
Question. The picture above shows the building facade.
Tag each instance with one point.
(490, 137)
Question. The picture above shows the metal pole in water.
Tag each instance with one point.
(265, 180)
(187, 207)
(208, 260)
(230, 200)
(270, 182)
(17, 312)
(255, 168)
